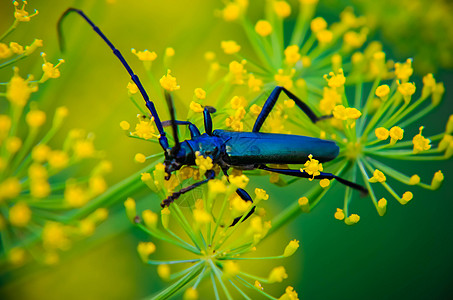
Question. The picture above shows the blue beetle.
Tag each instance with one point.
(244, 150)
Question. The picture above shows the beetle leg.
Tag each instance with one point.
(298, 173)
(210, 174)
(246, 197)
(270, 102)
(194, 132)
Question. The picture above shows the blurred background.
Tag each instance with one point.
(406, 254)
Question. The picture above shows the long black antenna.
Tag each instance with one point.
(171, 109)
(149, 104)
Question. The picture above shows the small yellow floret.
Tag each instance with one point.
(396, 134)
(304, 204)
(324, 182)
(50, 71)
(58, 159)
(201, 216)
(312, 167)
(21, 14)
(240, 181)
(200, 93)
(383, 91)
(150, 218)
(339, 214)
(35, 118)
(292, 55)
(40, 153)
(132, 88)
(263, 28)
(169, 52)
(378, 176)
(168, 82)
(420, 142)
(190, 294)
(216, 186)
(406, 89)
(231, 12)
(336, 80)
(291, 248)
(277, 275)
(324, 37)
(318, 24)
(407, 196)
(204, 163)
(164, 272)
(19, 214)
(140, 158)
(145, 55)
(415, 179)
(196, 107)
(290, 294)
(438, 178)
(13, 144)
(381, 133)
(230, 47)
(5, 51)
(231, 269)
(282, 9)
(352, 219)
(125, 125)
(404, 70)
(382, 206)
(145, 249)
(261, 194)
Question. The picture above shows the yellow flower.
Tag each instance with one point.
(339, 214)
(263, 28)
(378, 176)
(282, 8)
(277, 275)
(168, 82)
(312, 167)
(420, 142)
(145, 249)
(291, 248)
(292, 55)
(230, 47)
(145, 55)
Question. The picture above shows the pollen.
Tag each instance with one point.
(282, 9)
(196, 107)
(140, 158)
(383, 91)
(312, 167)
(125, 125)
(339, 214)
(263, 28)
(50, 71)
(336, 80)
(396, 134)
(145, 249)
(378, 176)
(230, 47)
(382, 133)
(19, 214)
(291, 248)
(20, 14)
(277, 275)
(420, 142)
(145, 55)
(168, 82)
(318, 24)
(404, 70)
(292, 55)
(200, 93)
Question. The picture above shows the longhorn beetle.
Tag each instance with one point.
(245, 150)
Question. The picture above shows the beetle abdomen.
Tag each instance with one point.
(245, 148)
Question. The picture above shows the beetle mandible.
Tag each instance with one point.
(245, 150)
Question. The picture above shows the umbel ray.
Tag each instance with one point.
(244, 150)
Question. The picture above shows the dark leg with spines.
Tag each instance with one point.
(270, 102)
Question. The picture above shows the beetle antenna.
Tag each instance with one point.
(171, 109)
(149, 104)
